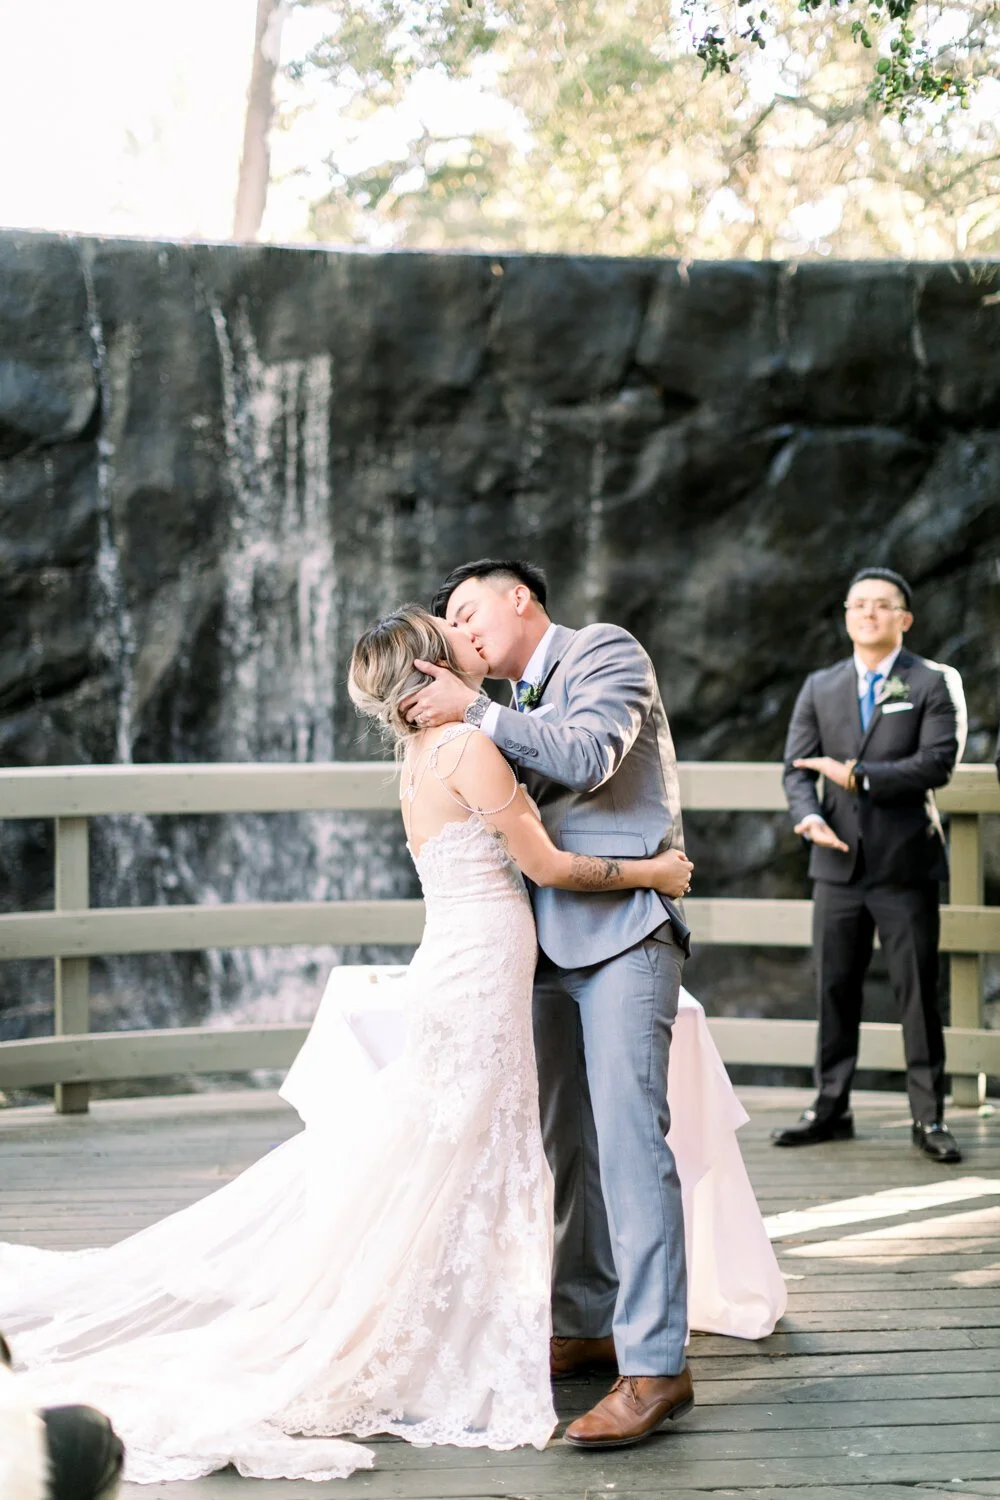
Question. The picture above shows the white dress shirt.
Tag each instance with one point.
(885, 666)
(534, 672)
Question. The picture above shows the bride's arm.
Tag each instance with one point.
(484, 780)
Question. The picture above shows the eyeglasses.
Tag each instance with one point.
(880, 606)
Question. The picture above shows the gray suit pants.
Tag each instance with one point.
(602, 1040)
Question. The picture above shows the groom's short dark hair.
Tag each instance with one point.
(492, 567)
(887, 575)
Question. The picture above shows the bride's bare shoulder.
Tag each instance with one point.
(475, 763)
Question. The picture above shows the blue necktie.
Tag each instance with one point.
(868, 700)
(519, 692)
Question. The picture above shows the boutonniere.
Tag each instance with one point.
(529, 696)
(893, 690)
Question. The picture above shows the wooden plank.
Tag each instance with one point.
(382, 1484)
(967, 968)
(793, 1044)
(694, 1455)
(725, 1416)
(969, 1267)
(776, 1389)
(749, 922)
(178, 929)
(165, 929)
(103, 1056)
(903, 1281)
(972, 789)
(864, 1320)
(111, 1055)
(888, 1302)
(580, 1481)
(727, 786)
(72, 975)
(970, 929)
(94, 791)
(873, 1341)
(849, 1363)
(669, 1476)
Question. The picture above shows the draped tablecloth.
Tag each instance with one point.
(734, 1284)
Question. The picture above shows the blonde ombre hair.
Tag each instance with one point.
(382, 676)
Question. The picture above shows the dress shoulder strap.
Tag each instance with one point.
(446, 738)
(453, 732)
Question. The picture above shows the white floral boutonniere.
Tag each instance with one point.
(529, 697)
(893, 690)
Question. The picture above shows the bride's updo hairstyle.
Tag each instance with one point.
(382, 676)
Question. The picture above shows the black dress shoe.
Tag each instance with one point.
(813, 1128)
(936, 1141)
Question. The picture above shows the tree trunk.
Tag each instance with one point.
(255, 163)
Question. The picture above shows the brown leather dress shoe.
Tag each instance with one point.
(581, 1357)
(633, 1409)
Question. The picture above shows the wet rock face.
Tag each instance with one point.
(218, 464)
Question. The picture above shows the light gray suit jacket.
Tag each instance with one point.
(598, 758)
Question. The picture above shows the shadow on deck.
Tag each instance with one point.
(883, 1378)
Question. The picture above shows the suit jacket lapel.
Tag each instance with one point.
(848, 705)
(561, 637)
(902, 663)
(547, 678)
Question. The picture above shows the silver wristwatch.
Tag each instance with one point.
(476, 711)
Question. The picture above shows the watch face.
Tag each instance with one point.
(476, 711)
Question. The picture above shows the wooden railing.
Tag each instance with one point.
(73, 932)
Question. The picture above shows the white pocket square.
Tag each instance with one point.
(896, 708)
(550, 708)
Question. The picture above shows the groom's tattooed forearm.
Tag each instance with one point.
(596, 874)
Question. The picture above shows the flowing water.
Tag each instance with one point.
(277, 700)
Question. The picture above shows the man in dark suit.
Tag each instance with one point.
(882, 728)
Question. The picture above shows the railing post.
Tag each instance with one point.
(966, 968)
(72, 986)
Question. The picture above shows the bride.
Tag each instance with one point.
(382, 1274)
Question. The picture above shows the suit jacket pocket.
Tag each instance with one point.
(609, 842)
(897, 708)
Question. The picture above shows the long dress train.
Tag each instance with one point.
(386, 1270)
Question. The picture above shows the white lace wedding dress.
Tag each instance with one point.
(386, 1271)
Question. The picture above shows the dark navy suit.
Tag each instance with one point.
(889, 880)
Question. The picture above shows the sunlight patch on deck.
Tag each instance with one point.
(977, 1230)
(890, 1203)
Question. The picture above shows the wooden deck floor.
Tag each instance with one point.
(883, 1379)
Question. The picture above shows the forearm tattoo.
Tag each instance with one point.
(596, 874)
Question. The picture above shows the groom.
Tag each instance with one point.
(587, 728)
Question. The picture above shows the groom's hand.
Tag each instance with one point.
(838, 771)
(442, 701)
(818, 831)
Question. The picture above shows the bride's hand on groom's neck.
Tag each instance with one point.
(442, 701)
